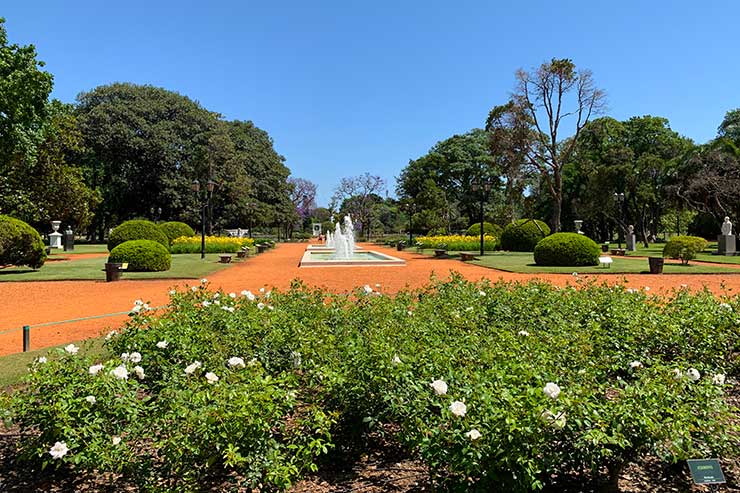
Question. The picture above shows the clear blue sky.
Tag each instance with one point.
(346, 87)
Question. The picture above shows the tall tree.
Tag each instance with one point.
(543, 99)
(356, 195)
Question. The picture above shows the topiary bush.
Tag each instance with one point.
(566, 249)
(20, 244)
(523, 235)
(684, 247)
(176, 229)
(137, 229)
(488, 229)
(142, 255)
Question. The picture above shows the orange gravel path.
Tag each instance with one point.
(30, 303)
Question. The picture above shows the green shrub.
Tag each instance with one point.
(137, 229)
(523, 235)
(567, 249)
(142, 256)
(176, 229)
(20, 244)
(488, 229)
(684, 247)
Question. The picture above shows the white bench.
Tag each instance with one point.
(605, 262)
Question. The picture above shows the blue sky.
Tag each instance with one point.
(346, 87)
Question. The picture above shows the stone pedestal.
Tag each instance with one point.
(630, 241)
(726, 245)
(55, 240)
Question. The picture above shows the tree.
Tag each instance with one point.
(356, 196)
(730, 126)
(543, 99)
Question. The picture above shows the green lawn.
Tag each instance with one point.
(84, 248)
(14, 366)
(656, 250)
(524, 262)
(184, 266)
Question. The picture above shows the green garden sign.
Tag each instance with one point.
(706, 471)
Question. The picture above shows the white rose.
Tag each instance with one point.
(116, 440)
(296, 357)
(439, 386)
(194, 289)
(110, 334)
(367, 289)
(134, 357)
(71, 349)
(59, 450)
(677, 374)
(229, 309)
(262, 290)
(139, 372)
(232, 295)
(120, 372)
(190, 369)
(236, 361)
(249, 295)
(203, 281)
(172, 292)
(458, 409)
(718, 379)
(726, 306)
(216, 296)
(635, 364)
(481, 293)
(162, 344)
(523, 333)
(136, 309)
(138, 302)
(211, 377)
(206, 303)
(91, 399)
(473, 434)
(94, 369)
(693, 374)
(551, 390)
(396, 360)
(260, 306)
(42, 359)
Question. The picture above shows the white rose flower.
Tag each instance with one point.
(523, 333)
(268, 294)
(396, 360)
(145, 306)
(249, 295)
(194, 289)
(203, 281)
(229, 309)
(270, 307)
(59, 450)
(296, 357)
(647, 288)
(262, 290)
(260, 306)
(439, 386)
(677, 374)
(138, 302)
(172, 292)
(236, 361)
(216, 296)
(71, 349)
(136, 309)
(481, 293)
(110, 334)
(162, 344)
(635, 364)
(190, 369)
(211, 377)
(42, 359)
(206, 303)
(139, 372)
(551, 390)
(367, 289)
(94, 369)
(693, 374)
(725, 306)
(116, 440)
(120, 372)
(458, 409)
(473, 434)
(409, 313)
(631, 290)
(91, 399)
(718, 379)
(232, 295)
(134, 357)
(575, 274)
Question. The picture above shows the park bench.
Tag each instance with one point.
(262, 247)
(605, 262)
(440, 251)
(618, 251)
(243, 253)
(467, 256)
(225, 258)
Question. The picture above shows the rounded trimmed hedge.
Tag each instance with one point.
(567, 249)
(488, 229)
(523, 235)
(20, 244)
(176, 229)
(684, 247)
(137, 229)
(142, 256)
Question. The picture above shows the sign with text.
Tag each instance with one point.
(706, 471)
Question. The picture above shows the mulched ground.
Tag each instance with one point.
(29, 303)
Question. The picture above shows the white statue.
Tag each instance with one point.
(630, 229)
(727, 227)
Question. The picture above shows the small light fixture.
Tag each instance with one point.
(211, 185)
(195, 186)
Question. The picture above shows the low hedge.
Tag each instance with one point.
(567, 249)
(20, 244)
(176, 229)
(137, 229)
(142, 256)
(523, 235)
(684, 247)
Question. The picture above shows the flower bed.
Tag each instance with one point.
(214, 244)
(457, 243)
(495, 387)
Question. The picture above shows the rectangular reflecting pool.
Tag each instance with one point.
(314, 258)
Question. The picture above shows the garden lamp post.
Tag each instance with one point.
(411, 209)
(619, 197)
(251, 206)
(484, 188)
(204, 206)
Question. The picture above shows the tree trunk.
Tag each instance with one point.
(557, 200)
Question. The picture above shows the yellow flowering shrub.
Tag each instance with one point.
(214, 244)
(457, 242)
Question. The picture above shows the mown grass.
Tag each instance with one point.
(184, 266)
(14, 366)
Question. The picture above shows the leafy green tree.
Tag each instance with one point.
(357, 195)
(730, 126)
